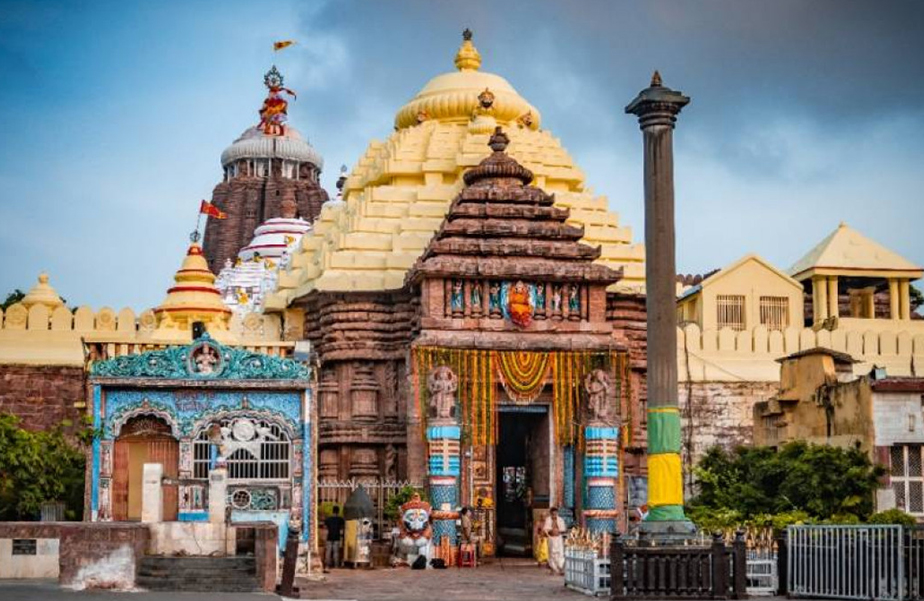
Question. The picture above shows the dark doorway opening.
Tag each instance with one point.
(521, 456)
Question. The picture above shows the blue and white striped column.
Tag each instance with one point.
(443, 471)
(601, 467)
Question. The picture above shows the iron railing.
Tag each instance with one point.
(379, 491)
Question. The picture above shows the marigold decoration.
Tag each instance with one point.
(523, 373)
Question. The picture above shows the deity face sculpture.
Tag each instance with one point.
(416, 520)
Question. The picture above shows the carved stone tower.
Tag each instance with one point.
(267, 164)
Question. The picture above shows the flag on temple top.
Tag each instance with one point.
(277, 46)
(207, 208)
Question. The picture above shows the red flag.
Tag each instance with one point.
(207, 208)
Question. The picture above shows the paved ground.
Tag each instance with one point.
(48, 590)
(502, 580)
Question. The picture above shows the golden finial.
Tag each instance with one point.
(467, 58)
(656, 79)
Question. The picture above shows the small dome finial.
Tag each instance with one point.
(499, 140)
(656, 79)
(467, 58)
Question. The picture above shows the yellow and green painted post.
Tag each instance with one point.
(657, 108)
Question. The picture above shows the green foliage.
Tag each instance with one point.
(12, 298)
(892, 516)
(38, 467)
(393, 505)
(916, 297)
(800, 482)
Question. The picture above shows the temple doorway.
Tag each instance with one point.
(522, 477)
(143, 439)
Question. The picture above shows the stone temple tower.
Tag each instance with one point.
(269, 162)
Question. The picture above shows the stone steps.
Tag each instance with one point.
(198, 574)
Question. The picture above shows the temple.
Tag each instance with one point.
(268, 164)
(466, 316)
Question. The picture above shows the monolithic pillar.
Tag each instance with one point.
(656, 108)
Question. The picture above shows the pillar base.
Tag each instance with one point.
(667, 531)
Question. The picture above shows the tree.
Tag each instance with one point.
(822, 481)
(12, 298)
(38, 467)
(917, 298)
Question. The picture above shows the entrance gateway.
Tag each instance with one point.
(184, 407)
(517, 377)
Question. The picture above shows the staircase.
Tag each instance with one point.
(517, 542)
(198, 574)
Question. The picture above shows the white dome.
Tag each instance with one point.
(254, 144)
(269, 238)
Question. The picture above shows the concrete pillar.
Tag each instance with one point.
(820, 298)
(904, 299)
(601, 467)
(869, 302)
(218, 493)
(152, 493)
(833, 310)
(443, 476)
(893, 299)
(657, 108)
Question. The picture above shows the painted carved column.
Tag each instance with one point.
(657, 108)
(443, 434)
(601, 455)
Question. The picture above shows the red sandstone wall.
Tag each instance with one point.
(41, 395)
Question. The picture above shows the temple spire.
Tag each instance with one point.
(467, 58)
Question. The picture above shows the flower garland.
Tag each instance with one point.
(523, 373)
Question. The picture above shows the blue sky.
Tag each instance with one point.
(114, 115)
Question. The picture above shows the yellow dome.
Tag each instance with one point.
(456, 95)
(193, 298)
(42, 294)
(399, 191)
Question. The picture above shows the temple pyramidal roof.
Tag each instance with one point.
(400, 190)
(501, 227)
(848, 252)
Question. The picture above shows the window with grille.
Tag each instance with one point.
(258, 450)
(774, 312)
(730, 311)
(907, 478)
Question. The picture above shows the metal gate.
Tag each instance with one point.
(846, 562)
(379, 491)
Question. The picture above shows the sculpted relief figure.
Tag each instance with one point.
(442, 384)
(597, 384)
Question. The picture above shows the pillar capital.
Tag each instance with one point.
(657, 104)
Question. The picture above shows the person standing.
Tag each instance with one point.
(334, 525)
(554, 529)
(465, 519)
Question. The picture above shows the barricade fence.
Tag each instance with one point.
(380, 491)
(854, 562)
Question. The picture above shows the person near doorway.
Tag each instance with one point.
(334, 525)
(542, 544)
(554, 529)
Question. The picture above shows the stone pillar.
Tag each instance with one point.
(893, 299)
(656, 108)
(218, 492)
(833, 297)
(601, 467)
(820, 298)
(904, 299)
(443, 478)
(152, 493)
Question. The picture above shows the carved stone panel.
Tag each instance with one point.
(364, 393)
(329, 393)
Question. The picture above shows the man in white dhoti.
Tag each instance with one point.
(554, 529)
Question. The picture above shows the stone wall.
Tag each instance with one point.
(42, 395)
(43, 563)
(101, 555)
(718, 413)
